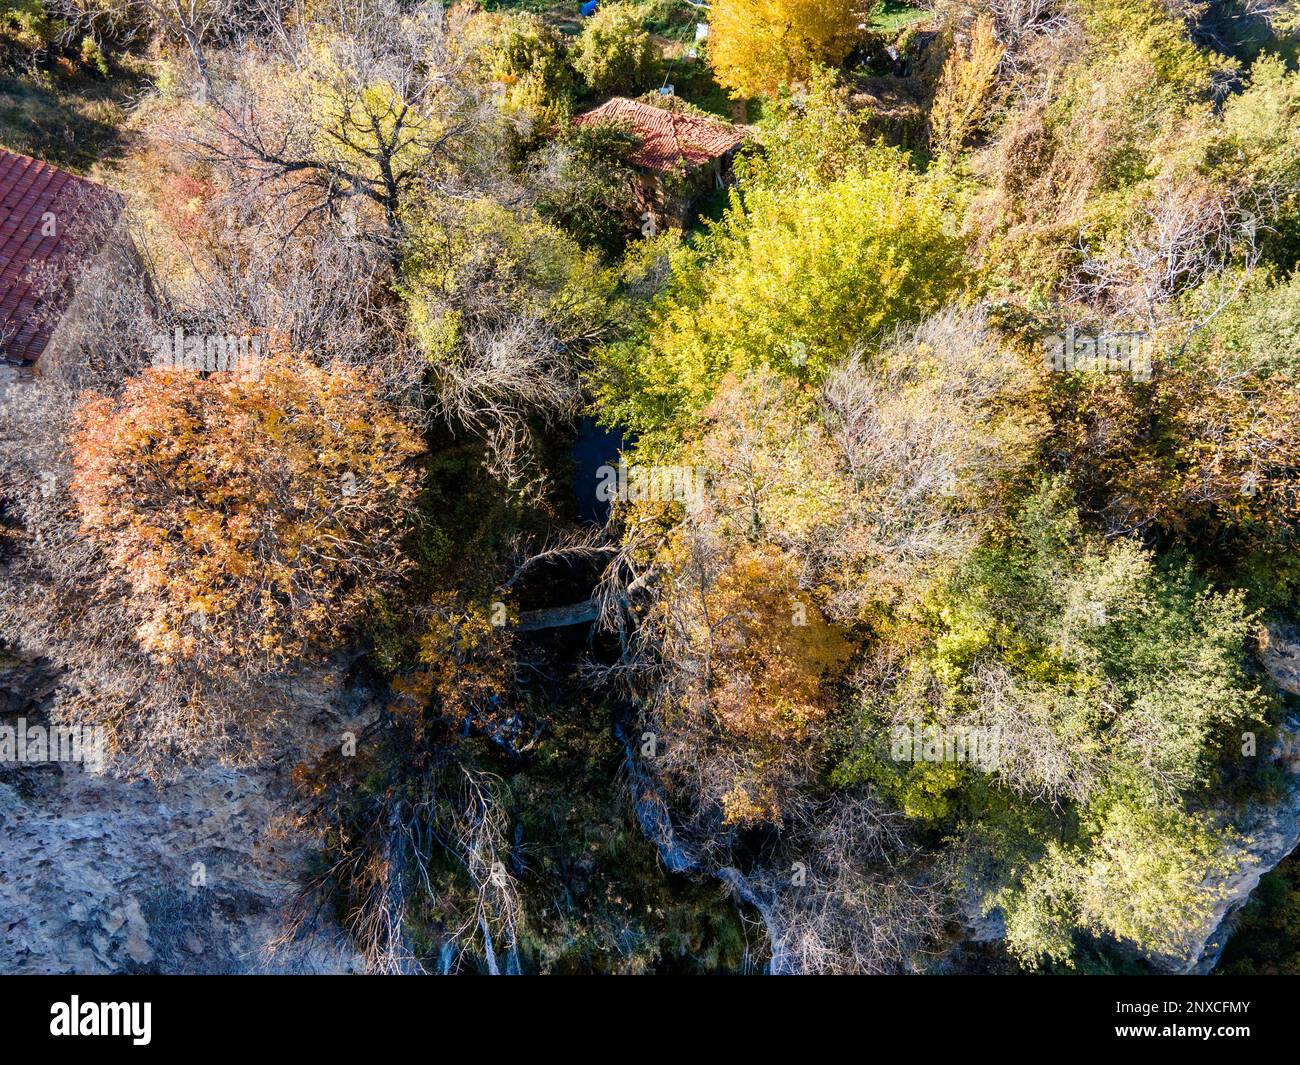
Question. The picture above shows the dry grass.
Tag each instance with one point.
(73, 122)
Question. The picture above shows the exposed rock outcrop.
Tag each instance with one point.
(100, 875)
(1273, 829)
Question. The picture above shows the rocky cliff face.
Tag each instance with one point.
(1273, 830)
(99, 875)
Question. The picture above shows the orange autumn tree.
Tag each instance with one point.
(249, 516)
(758, 662)
(468, 657)
(773, 652)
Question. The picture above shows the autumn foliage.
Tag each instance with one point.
(755, 46)
(250, 516)
(964, 87)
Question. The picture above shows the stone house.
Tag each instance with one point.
(681, 157)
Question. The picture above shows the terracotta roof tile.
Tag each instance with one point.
(667, 139)
(29, 190)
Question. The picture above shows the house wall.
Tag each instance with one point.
(672, 210)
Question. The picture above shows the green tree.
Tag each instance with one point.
(615, 53)
(585, 185)
(527, 57)
(809, 139)
(1141, 878)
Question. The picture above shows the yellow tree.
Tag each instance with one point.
(964, 87)
(796, 280)
(755, 46)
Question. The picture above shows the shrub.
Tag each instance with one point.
(249, 516)
(615, 53)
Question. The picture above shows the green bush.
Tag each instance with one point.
(528, 57)
(586, 185)
(615, 53)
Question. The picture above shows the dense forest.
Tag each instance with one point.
(873, 557)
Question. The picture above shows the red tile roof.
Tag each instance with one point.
(31, 258)
(668, 139)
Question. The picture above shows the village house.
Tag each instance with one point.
(56, 232)
(680, 159)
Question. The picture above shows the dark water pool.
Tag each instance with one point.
(593, 448)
